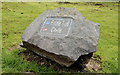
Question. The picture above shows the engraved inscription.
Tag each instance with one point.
(56, 26)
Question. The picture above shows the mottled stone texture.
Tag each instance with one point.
(65, 50)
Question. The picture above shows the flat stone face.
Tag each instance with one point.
(56, 26)
(62, 35)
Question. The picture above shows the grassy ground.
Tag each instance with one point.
(17, 16)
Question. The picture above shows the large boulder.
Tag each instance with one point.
(62, 35)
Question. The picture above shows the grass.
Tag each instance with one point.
(17, 16)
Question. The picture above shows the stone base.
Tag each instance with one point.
(62, 60)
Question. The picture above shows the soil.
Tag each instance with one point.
(94, 65)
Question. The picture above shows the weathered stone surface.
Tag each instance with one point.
(62, 35)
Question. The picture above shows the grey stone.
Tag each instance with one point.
(62, 35)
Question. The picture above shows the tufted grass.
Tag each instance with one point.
(17, 16)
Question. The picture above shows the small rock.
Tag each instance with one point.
(22, 13)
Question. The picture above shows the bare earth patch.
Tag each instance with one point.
(92, 66)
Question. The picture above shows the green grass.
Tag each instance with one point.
(13, 63)
(14, 23)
